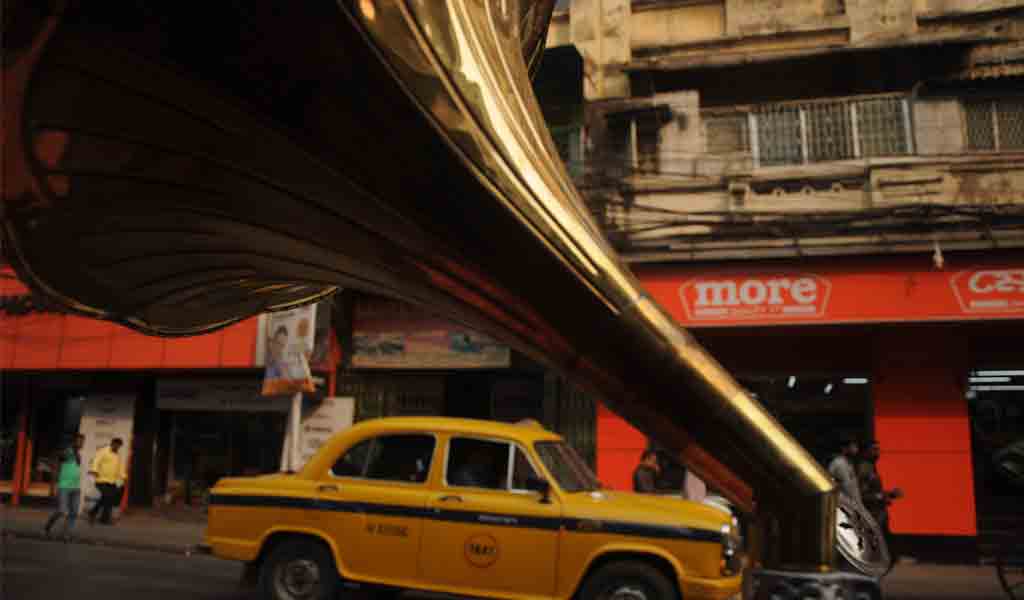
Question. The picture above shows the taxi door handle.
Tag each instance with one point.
(450, 499)
(327, 488)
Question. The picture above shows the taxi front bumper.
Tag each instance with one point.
(723, 588)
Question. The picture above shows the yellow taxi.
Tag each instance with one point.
(470, 508)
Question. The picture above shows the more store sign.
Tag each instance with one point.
(798, 296)
(905, 290)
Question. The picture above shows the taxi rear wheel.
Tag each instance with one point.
(299, 570)
(628, 580)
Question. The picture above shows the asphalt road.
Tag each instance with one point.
(35, 570)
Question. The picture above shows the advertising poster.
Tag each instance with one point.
(318, 425)
(104, 417)
(287, 339)
(392, 335)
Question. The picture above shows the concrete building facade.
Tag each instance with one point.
(868, 154)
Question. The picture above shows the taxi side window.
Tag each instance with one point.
(522, 470)
(403, 457)
(478, 463)
(353, 462)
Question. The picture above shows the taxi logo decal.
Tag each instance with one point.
(387, 529)
(482, 550)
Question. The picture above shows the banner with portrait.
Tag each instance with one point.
(287, 340)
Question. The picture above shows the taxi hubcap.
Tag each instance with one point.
(627, 593)
(298, 579)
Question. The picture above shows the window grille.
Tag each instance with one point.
(995, 125)
(1010, 123)
(980, 131)
(882, 126)
(828, 130)
(813, 131)
(779, 136)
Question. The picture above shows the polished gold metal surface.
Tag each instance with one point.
(386, 145)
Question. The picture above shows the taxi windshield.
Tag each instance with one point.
(572, 474)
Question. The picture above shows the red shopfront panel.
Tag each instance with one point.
(86, 343)
(133, 350)
(239, 346)
(922, 424)
(619, 447)
(48, 341)
(54, 341)
(7, 346)
(194, 352)
(38, 340)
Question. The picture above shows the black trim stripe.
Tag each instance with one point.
(666, 532)
(574, 525)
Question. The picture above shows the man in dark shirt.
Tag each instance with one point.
(874, 495)
(645, 476)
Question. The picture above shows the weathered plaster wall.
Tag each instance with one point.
(675, 25)
(751, 17)
(601, 31)
(872, 20)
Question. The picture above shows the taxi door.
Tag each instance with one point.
(490, 535)
(374, 501)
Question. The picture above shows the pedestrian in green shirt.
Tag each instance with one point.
(69, 492)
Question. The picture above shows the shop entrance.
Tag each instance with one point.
(53, 422)
(817, 409)
(995, 399)
(52, 415)
(205, 446)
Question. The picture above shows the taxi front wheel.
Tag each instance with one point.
(628, 580)
(299, 570)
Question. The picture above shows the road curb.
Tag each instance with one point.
(189, 550)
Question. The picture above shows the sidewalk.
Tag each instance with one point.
(942, 582)
(138, 530)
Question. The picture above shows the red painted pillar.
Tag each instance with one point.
(619, 447)
(19, 452)
(26, 474)
(127, 479)
(922, 424)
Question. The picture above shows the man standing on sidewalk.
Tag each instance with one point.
(69, 484)
(645, 477)
(108, 469)
(843, 470)
(876, 498)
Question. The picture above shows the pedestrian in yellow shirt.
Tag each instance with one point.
(108, 469)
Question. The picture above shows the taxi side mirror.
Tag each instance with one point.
(540, 485)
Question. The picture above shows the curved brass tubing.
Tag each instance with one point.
(213, 168)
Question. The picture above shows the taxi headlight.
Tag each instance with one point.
(732, 555)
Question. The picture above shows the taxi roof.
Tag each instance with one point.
(525, 431)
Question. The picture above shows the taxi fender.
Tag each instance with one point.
(634, 549)
(307, 532)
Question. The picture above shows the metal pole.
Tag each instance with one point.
(296, 426)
